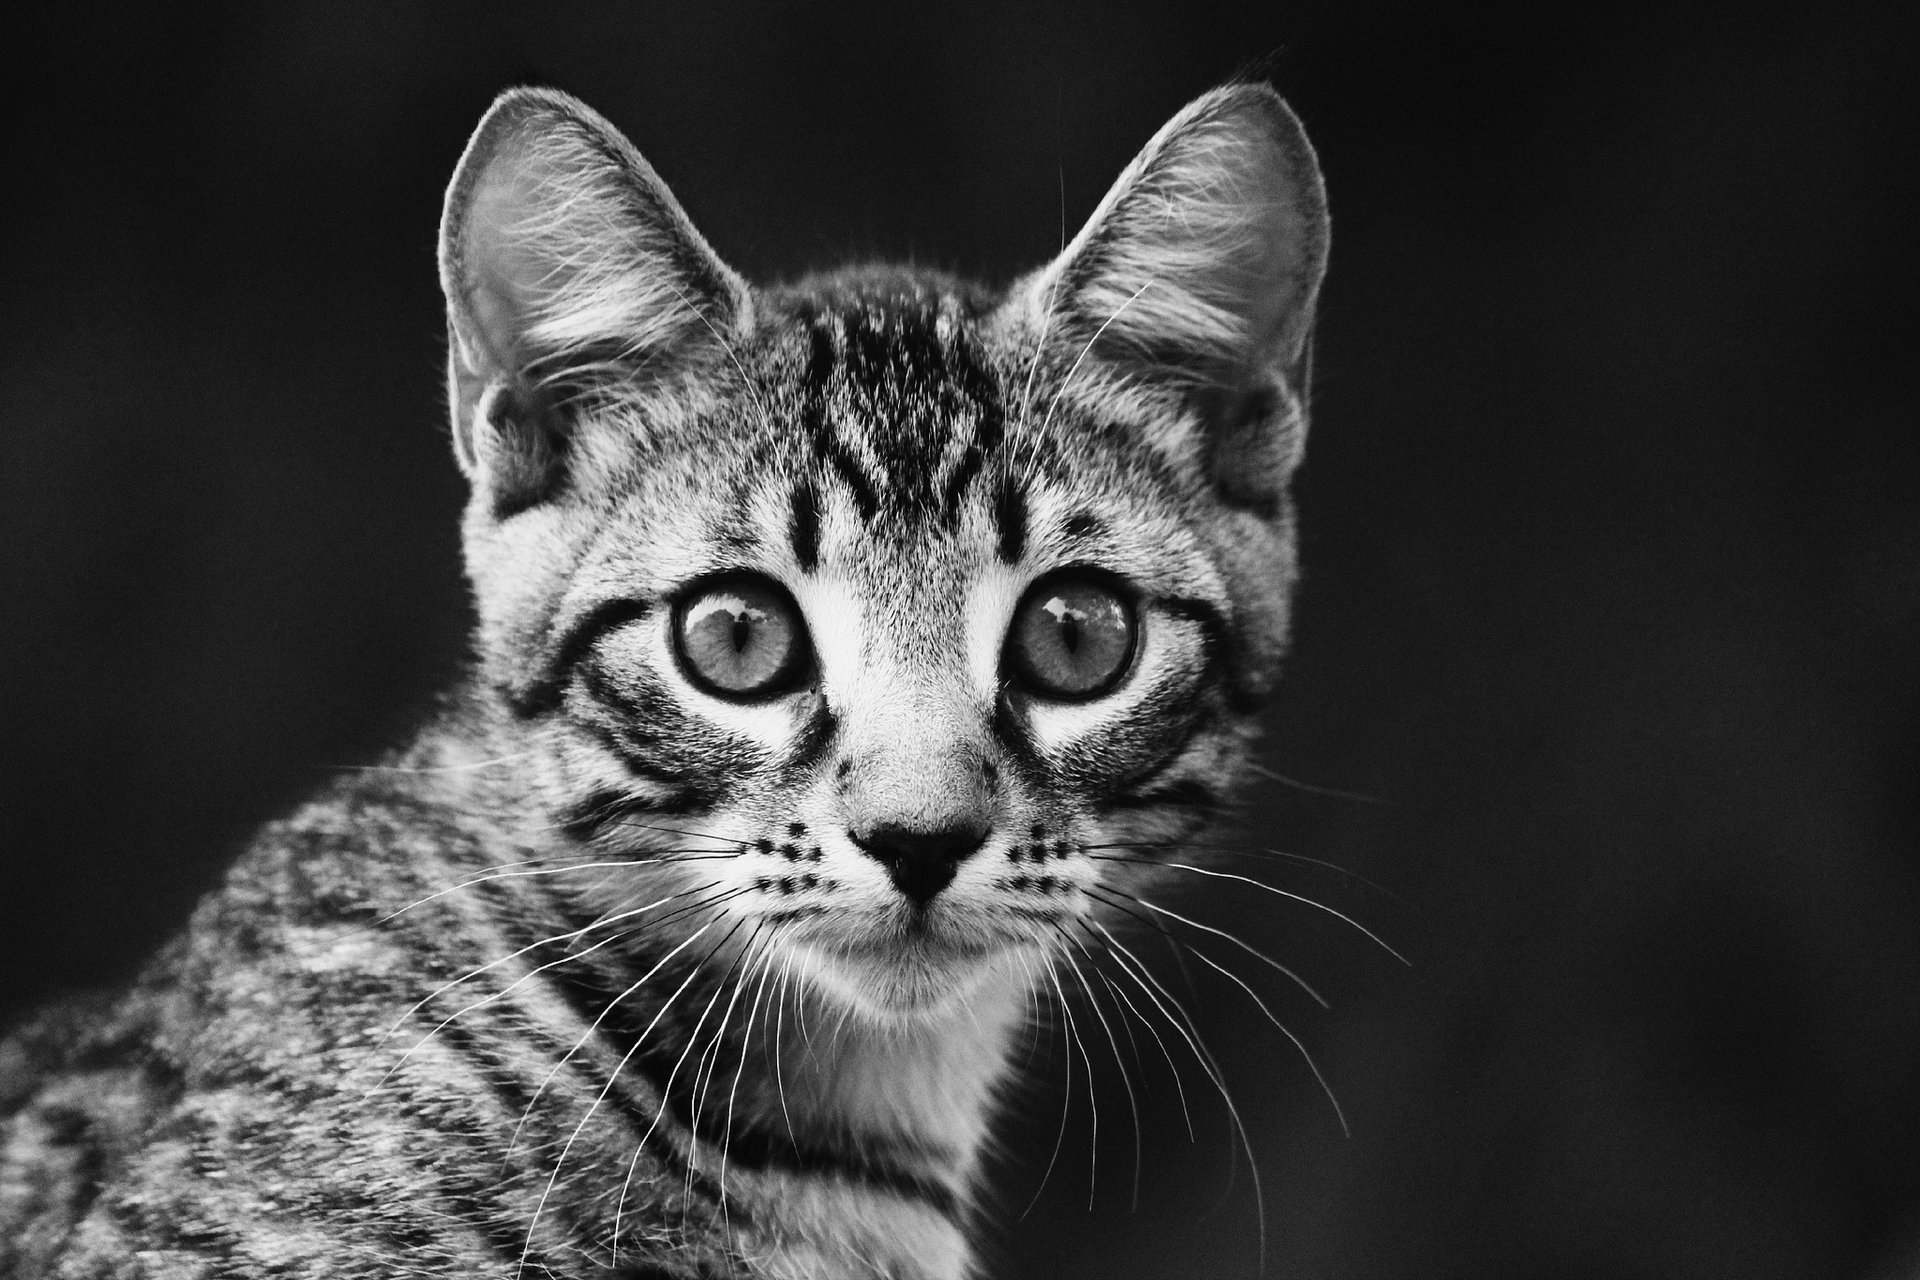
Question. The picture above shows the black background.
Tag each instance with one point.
(1610, 523)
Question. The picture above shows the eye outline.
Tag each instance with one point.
(1020, 672)
(790, 677)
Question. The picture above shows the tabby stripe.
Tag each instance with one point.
(603, 809)
(1187, 793)
(1143, 789)
(751, 1148)
(1083, 524)
(812, 742)
(1011, 728)
(688, 794)
(1010, 518)
(804, 531)
(544, 696)
(813, 415)
(764, 1150)
(1219, 648)
(483, 1204)
(963, 474)
(588, 1001)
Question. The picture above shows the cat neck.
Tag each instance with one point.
(920, 1088)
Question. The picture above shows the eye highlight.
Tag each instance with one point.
(740, 638)
(1072, 638)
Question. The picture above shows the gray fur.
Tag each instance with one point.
(593, 979)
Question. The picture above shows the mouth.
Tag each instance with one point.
(911, 960)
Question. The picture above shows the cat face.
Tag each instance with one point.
(873, 609)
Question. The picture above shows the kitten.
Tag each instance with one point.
(843, 648)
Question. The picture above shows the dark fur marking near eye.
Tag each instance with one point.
(546, 694)
(815, 738)
(688, 795)
(804, 530)
(604, 809)
(1011, 728)
(641, 709)
(796, 828)
(1083, 524)
(1010, 518)
(1218, 646)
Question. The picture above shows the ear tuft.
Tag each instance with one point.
(568, 267)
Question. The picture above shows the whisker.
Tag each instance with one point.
(707, 1065)
(470, 767)
(612, 1076)
(493, 964)
(537, 871)
(636, 824)
(1179, 1085)
(1184, 1025)
(594, 1026)
(1311, 1065)
(1084, 351)
(1066, 1101)
(1314, 788)
(779, 1054)
(1126, 1079)
(698, 1093)
(666, 1089)
(1101, 892)
(1258, 884)
(733, 1093)
(1247, 851)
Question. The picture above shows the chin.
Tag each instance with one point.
(914, 976)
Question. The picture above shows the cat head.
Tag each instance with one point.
(875, 611)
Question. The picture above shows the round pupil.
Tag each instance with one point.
(739, 639)
(1072, 639)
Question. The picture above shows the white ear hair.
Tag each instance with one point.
(1199, 271)
(564, 258)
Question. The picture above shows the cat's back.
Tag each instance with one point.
(242, 1049)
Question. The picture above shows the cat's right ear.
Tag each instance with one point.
(569, 270)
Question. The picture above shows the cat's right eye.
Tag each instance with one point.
(741, 638)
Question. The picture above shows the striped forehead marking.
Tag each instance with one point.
(898, 402)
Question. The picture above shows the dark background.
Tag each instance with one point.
(1613, 605)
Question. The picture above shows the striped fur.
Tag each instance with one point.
(595, 979)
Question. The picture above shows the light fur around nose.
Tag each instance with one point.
(916, 758)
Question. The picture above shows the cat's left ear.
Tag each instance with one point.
(1195, 281)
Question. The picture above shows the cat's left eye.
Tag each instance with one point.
(1072, 637)
(741, 638)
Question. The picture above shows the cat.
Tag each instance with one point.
(844, 650)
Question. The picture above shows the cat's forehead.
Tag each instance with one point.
(883, 380)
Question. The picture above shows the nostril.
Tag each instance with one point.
(922, 863)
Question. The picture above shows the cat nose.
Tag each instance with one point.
(921, 863)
